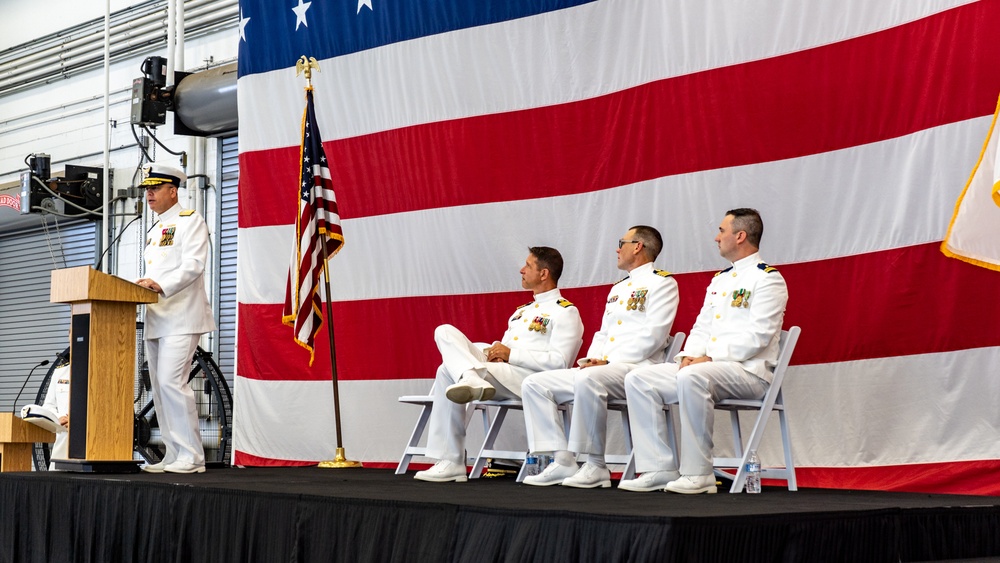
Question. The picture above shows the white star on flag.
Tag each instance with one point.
(365, 3)
(300, 14)
(243, 25)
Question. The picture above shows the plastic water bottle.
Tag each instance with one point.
(531, 466)
(753, 473)
(543, 461)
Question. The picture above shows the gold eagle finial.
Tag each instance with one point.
(306, 65)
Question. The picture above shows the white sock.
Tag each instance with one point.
(472, 377)
(596, 459)
(565, 458)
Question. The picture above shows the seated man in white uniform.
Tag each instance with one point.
(175, 257)
(57, 401)
(635, 330)
(54, 414)
(730, 354)
(544, 334)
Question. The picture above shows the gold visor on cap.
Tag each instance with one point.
(157, 180)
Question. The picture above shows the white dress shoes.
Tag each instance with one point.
(154, 468)
(443, 471)
(468, 389)
(184, 467)
(649, 481)
(589, 476)
(693, 485)
(554, 474)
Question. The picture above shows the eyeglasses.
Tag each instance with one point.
(622, 243)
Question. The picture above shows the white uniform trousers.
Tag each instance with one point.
(589, 389)
(446, 428)
(169, 367)
(697, 388)
(60, 449)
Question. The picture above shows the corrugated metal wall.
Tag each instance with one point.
(227, 251)
(31, 328)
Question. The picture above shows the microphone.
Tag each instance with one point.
(18, 398)
(112, 243)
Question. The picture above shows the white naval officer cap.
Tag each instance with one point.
(41, 416)
(157, 174)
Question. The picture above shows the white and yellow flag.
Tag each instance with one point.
(974, 232)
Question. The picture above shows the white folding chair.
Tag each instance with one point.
(427, 402)
(772, 401)
(621, 405)
(488, 451)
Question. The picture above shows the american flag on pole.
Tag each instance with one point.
(317, 224)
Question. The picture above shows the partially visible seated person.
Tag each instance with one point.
(53, 413)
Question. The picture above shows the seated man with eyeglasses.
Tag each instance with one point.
(638, 315)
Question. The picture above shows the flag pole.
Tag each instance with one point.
(339, 460)
(306, 65)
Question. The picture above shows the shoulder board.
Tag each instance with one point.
(621, 280)
(187, 213)
(662, 273)
(62, 363)
(766, 268)
(723, 271)
(565, 303)
(519, 307)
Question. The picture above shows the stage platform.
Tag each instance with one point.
(311, 514)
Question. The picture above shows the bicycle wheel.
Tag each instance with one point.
(214, 404)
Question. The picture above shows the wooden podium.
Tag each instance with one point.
(102, 360)
(17, 438)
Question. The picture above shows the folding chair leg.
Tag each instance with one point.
(786, 444)
(734, 420)
(740, 478)
(411, 446)
(629, 472)
(671, 430)
(491, 437)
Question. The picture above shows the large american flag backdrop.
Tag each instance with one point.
(460, 133)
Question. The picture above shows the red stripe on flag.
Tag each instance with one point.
(956, 477)
(802, 103)
(243, 458)
(859, 307)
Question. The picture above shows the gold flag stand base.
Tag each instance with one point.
(339, 461)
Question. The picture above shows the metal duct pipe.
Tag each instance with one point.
(68, 51)
(23, 67)
(64, 65)
(205, 102)
(171, 38)
(66, 56)
(89, 41)
(178, 38)
(85, 31)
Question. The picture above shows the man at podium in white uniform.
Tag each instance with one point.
(175, 257)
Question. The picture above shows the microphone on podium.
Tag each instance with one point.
(26, 379)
